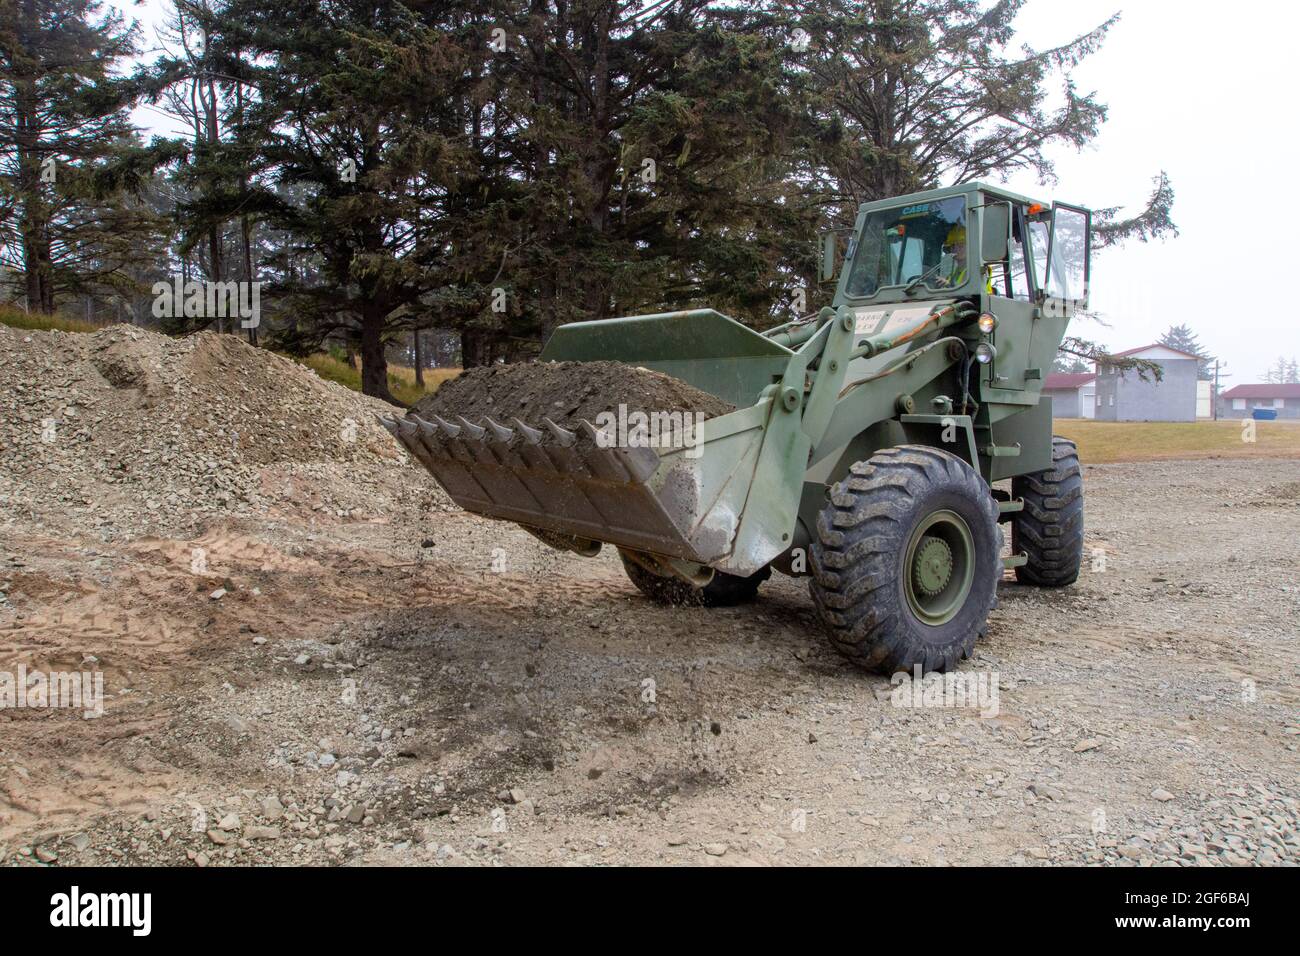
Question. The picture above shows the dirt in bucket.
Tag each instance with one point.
(565, 392)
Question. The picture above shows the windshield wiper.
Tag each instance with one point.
(911, 286)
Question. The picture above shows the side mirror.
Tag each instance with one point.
(830, 254)
(995, 234)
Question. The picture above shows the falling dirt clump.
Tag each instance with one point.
(565, 392)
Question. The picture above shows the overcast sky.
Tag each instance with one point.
(1206, 94)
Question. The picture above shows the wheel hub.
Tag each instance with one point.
(932, 568)
(938, 567)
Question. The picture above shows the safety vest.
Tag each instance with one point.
(959, 278)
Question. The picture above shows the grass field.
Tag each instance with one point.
(16, 318)
(1103, 442)
(401, 380)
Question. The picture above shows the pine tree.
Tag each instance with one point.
(913, 94)
(642, 149)
(1283, 372)
(1182, 337)
(1069, 364)
(355, 108)
(67, 149)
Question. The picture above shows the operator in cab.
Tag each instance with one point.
(954, 251)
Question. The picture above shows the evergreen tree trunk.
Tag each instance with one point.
(37, 265)
(475, 348)
(374, 363)
(419, 359)
(208, 97)
(34, 224)
(245, 229)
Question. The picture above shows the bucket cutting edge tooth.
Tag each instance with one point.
(473, 431)
(598, 452)
(640, 462)
(408, 433)
(431, 439)
(502, 441)
(531, 435)
(532, 451)
(503, 434)
(390, 426)
(562, 435)
(448, 427)
(594, 434)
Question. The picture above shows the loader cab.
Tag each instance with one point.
(1023, 261)
(968, 240)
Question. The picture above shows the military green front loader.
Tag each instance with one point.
(865, 443)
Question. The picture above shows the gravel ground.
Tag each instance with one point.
(378, 678)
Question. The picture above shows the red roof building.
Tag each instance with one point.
(1281, 400)
(1282, 390)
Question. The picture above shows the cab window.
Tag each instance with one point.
(923, 243)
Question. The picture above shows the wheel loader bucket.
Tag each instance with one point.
(723, 492)
(685, 500)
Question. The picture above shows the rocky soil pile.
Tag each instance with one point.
(129, 428)
(565, 392)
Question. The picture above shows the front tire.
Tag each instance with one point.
(725, 590)
(1049, 529)
(906, 560)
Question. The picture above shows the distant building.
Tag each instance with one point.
(1073, 394)
(1124, 396)
(1240, 400)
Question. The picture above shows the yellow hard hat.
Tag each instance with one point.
(956, 236)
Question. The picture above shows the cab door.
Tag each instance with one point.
(1011, 299)
(1061, 249)
(1069, 254)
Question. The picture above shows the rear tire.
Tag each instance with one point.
(907, 560)
(1050, 528)
(725, 590)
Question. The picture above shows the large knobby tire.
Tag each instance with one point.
(1050, 527)
(725, 590)
(906, 560)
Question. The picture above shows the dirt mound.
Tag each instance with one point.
(125, 423)
(565, 392)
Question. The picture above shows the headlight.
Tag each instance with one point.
(985, 353)
(988, 322)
